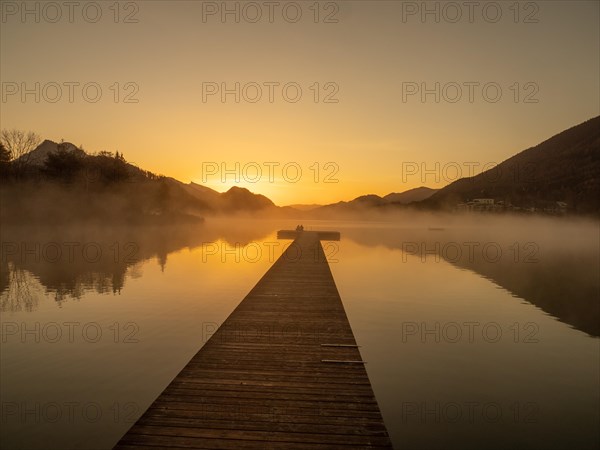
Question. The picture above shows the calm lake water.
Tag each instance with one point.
(478, 333)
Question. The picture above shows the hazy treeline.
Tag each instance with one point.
(70, 185)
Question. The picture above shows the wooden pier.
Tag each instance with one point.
(282, 372)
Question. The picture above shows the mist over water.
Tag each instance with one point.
(444, 157)
(488, 351)
(477, 330)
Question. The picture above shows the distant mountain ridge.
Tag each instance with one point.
(38, 155)
(235, 199)
(564, 168)
(412, 195)
(56, 182)
(375, 201)
(199, 198)
(559, 175)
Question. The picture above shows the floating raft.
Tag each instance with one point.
(322, 235)
(282, 372)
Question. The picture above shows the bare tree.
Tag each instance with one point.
(19, 144)
(4, 154)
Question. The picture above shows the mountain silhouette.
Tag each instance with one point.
(38, 155)
(58, 182)
(412, 195)
(564, 168)
(375, 201)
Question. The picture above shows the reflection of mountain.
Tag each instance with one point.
(68, 262)
(560, 276)
(563, 285)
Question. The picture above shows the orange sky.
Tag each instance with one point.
(380, 136)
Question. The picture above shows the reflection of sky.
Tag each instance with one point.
(384, 291)
(436, 336)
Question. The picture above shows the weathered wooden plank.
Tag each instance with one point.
(257, 436)
(225, 413)
(260, 380)
(301, 412)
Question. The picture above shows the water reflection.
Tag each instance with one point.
(180, 281)
(552, 264)
(69, 262)
(108, 335)
(458, 356)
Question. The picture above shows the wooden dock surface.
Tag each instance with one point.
(271, 376)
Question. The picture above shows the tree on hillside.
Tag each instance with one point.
(4, 159)
(63, 165)
(19, 143)
(4, 154)
(108, 167)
